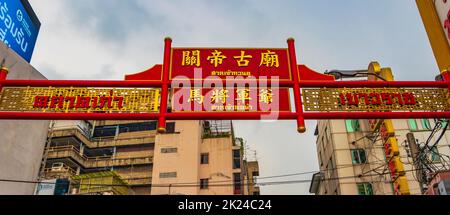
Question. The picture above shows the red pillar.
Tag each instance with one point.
(3, 73)
(446, 77)
(165, 86)
(297, 95)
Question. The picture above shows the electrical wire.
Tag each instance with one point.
(196, 185)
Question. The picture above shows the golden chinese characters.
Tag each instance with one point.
(241, 59)
(265, 96)
(269, 59)
(219, 96)
(243, 95)
(196, 95)
(191, 58)
(216, 58)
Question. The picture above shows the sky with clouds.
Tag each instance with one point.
(106, 39)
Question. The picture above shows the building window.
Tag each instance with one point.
(236, 159)
(204, 183)
(365, 189)
(237, 183)
(105, 131)
(255, 173)
(169, 150)
(412, 124)
(426, 124)
(352, 125)
(435, 155)
(204, 158)
(168, 174)
(170, 127)
(358, 156)
(135, 127)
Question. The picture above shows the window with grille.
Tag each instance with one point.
(412, 124)
(204, 183)
(236, 159)
(352, 125)
(168, 174)
(169, 150)
(358, 156)
(204, 158)
(365, 189)
(426, 124)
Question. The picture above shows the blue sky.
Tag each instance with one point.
(106, 39)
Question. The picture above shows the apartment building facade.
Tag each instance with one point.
(251, 177)
(353, 159)
(192, 157)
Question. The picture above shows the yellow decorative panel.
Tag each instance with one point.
(375, 99)
(77, 99)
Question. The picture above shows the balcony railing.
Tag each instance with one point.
(138, 181)
(63, 172)
(94, 162)
(102, 142)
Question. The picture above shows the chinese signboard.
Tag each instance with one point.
(443, 11)
(19, 27)
(231, 100)
(72, 99)
(233, 83)
(396, 168)
(229, 62)
(375, 99)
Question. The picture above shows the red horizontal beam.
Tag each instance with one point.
(376, 115)
(157, 84)
(80, 83)
(341, 84)
(219, 115)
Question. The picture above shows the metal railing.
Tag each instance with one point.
(63, 172)
(99, 142)
(94, 162)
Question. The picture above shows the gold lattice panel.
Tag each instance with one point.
(140, 100)
(330, 99)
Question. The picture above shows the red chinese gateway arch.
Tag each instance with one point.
(316, 96)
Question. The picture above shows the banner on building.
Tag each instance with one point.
(19, 27)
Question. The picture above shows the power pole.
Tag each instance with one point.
(414, 149)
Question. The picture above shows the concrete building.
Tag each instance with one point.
(440, 184)
(354, 164)
(192, 157)
(252, 174)
(20, 155)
